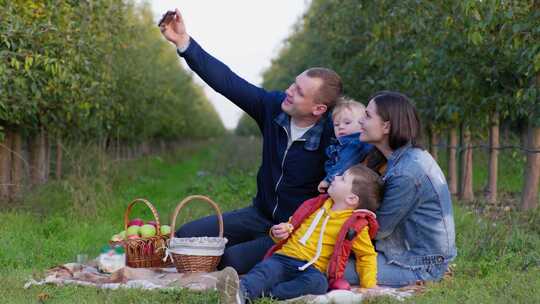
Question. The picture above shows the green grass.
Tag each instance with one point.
(499, 252)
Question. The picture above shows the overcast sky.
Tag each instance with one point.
(244, 34)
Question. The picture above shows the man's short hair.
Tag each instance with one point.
(346, 103)
(331, 87)
(367, 185)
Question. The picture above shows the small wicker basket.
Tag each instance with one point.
(196, 254)
(146, 252)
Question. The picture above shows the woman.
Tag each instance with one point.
(416, 238)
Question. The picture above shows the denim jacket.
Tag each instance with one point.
(344, 152)
(416, 222)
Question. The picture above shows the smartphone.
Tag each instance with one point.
(166, 17)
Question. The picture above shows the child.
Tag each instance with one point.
(347, 149)
(314, 246)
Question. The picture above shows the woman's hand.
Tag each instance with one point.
(281, 231)
(323, 186)
(174, 30)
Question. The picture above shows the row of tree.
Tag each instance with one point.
(468, 65)
(88, 71)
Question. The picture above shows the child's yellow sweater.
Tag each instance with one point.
(366, 257)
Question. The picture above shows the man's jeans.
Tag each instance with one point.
(278, 276)
(247, 232)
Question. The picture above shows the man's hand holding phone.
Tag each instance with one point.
(172, 27)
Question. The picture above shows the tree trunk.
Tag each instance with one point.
(162, 146)
(491, 189)
(47, 158)
(452, 161)
(529, 196)
(16, 165)
(467, 193)
(38, 152)
(433, 142)
(59, 158)
(120, 151)
(523, 131)
(146, 148)
(103, 144)
(5, 165)
(125, 153)
(118, 148)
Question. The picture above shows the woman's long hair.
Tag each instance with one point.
(376, 161)
(405, 125)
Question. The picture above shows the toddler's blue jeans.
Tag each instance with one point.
(278, 276)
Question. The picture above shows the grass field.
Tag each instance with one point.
(499, 251)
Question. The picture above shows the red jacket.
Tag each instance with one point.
(342, 249)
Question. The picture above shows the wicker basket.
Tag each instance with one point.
(196, 254)
(146, 252)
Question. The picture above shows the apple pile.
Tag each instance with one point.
(138, 229)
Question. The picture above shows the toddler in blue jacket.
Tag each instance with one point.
(347, 150)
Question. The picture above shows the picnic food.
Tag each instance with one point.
(136, 222)
(111, 259)
(147, 231)
(137, 229)
(290, 227)
(132, 230)
(116, 238)
(165, 229)
(147, 247)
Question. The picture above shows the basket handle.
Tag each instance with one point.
(152, 208)
(197, 197)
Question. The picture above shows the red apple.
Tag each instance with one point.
(136, 222)
(153, 223)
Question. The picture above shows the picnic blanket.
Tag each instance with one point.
(168, 278)
(127, 277)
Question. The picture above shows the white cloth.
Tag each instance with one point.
(184, 48)
(297, 132)
(200, 246)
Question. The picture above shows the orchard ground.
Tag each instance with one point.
(498, 246)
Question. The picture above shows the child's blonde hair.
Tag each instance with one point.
(346, 103)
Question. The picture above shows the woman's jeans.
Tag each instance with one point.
(246, 230)
(278, 276)
(392, 275)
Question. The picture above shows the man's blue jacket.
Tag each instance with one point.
(288, 175)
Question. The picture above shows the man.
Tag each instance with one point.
(296, 131)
